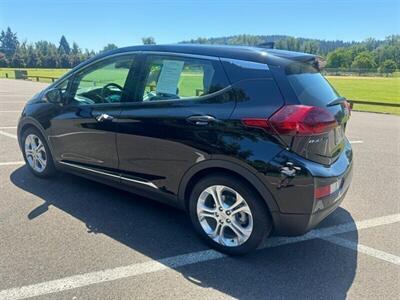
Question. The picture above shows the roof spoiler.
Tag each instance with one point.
(316, 61)
(267, 45)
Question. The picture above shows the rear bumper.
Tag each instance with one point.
(300, 212)
(298, 224)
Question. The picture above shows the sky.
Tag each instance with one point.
(94, 23)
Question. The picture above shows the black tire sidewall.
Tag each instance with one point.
(262, 223)
(50, 168)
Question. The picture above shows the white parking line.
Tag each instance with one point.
(8, 127)
(10, 111)
(364, 249)
(12, 163)
(174, 262)
(356, 142)
(8, 134)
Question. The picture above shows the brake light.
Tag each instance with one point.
(296, 119)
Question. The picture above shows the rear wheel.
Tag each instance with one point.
(228, 214)
(37, 153)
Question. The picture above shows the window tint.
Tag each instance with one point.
(309, 85)
(181, 78)
(105, 82)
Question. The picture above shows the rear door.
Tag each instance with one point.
(179, 111)
(84, 131)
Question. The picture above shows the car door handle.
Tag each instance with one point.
(201, 120)
(104, 118)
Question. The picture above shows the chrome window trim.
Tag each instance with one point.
(247, 64)
(148, 183)
(188, 55)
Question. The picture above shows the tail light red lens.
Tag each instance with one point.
(326, 190)
(296, 119)
(322, 191)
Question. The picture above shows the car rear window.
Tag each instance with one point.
(310, 86)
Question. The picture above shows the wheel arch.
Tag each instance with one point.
(31, 123)
(193, 175)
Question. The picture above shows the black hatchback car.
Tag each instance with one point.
(247, 140)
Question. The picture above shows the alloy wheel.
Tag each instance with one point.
(224, 215)
(35, 153)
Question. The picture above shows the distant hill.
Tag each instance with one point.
(322, 47)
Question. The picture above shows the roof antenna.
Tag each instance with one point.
(267, 45)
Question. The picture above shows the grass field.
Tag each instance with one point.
(375, 89)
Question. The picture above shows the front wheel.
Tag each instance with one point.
(228, 214)
(37, 153)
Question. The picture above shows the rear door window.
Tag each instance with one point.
(310, 86)
(180, 78)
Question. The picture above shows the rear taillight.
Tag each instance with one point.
(296, 119)
(326, 190)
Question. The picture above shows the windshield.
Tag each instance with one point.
(310, 86)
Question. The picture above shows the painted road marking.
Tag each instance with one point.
(363, 249)
(8, 134)
(9, 127)
(174, 262)
(356, 142)
(10, 111)
(12, 163)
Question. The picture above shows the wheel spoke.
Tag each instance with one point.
(41, 161)
(28, 152)
(40, 147)
(239, 201)
(216, 193)
(217, 232)
(35, 163)
(206, 212)
(241, 233)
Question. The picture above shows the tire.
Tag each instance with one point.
(38, 160)
(253, 220)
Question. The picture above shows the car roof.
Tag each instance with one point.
(254, 54)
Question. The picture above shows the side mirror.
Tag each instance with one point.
(54, 96)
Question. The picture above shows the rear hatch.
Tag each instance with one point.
(325, 114)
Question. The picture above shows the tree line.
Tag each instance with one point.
(44, 54)
(371, 54)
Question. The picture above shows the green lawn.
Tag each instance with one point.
(376, 89)
(35, 72)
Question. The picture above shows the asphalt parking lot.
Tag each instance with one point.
(70, 238)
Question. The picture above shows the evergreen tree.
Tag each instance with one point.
(64, 46)
(3, 60)
(8, 42)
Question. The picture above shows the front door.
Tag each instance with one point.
(84, 132)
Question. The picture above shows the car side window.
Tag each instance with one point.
(104, 82)
(174, 77)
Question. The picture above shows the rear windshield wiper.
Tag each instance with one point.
(337, 101)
